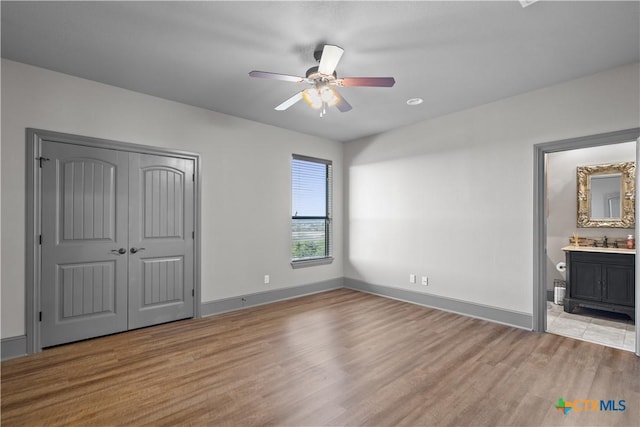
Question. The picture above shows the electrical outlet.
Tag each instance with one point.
(266, 279)
(425, 280)
(412, 278)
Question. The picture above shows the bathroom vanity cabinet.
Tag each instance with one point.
(602, 279)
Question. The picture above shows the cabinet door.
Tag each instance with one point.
(586, 280)
(618, 284)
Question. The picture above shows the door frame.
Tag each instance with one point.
(34, 138)
(540, 207)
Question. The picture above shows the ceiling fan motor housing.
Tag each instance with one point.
(313, 74)
(316, 77)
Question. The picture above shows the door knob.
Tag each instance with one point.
(134, 250)
(120, 251)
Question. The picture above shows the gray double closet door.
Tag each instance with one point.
(117, 244)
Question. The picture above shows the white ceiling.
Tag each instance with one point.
(455, 55)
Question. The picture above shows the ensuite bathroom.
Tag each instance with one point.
(591, 244)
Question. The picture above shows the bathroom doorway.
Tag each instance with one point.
(555, 224)
(590, 324)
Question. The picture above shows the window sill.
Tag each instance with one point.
(311, 262)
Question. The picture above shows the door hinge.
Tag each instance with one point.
(42, 159)
(193, 292)
(193, 234)
(40, 317)
(193, 177)
(40, 239)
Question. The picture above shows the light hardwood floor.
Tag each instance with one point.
(336, 358)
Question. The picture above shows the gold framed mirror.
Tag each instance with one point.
(606, 195)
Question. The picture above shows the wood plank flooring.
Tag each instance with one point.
(336, 358)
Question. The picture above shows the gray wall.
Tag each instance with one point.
(449, 198)
(562, 203)
(452, 198)
(245, 179)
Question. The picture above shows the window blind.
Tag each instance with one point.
(311, 203)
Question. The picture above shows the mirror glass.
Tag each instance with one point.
(606, 195)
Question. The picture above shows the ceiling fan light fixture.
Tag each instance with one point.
(312, 97)
(329, 96)
(317, 97)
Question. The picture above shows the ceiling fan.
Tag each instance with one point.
(323, 79)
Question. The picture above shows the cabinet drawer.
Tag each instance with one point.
(603, 258)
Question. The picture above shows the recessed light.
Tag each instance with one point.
(415, 101)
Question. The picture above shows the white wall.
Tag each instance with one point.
(452, 198)
(245, 178)
(561, 193)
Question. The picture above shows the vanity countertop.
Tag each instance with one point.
(603, 250)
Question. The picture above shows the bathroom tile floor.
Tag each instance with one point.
(597, 326)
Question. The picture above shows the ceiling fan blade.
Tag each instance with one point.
(276, 76)
(366, 81)
(342, 103)
(329, 60)
(289, 102)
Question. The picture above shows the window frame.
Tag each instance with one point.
(328, 218)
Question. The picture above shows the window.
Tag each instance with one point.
(311, 190)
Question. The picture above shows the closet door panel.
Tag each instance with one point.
(84, 226)
(161, 280)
